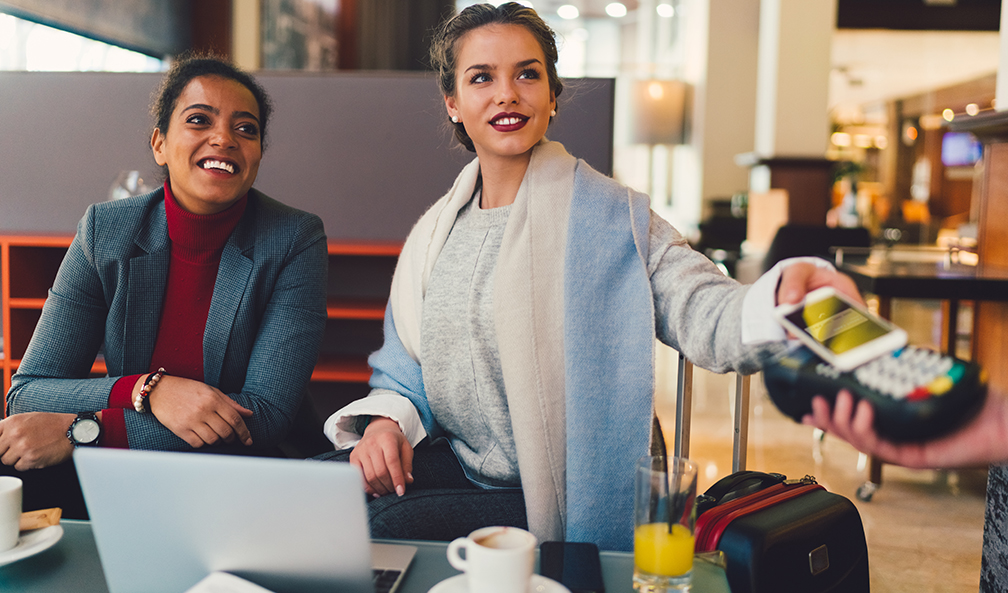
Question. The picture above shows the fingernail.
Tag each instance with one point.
(375, 495)
(400, 490)
(409, 476)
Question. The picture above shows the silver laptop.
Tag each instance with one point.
(164, 521)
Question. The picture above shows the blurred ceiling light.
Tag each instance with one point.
(948, 114)
(665, 10)
(862, 140)
(615, 9)
(656, 90)
(841, 139)
(881, 142)
(568, 11)
(972, 109)
(909, 134)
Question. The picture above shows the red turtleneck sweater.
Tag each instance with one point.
(196, 246)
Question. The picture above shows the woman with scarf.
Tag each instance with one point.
(520, 329)
(206, 298)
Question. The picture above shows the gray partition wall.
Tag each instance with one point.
(368, 152)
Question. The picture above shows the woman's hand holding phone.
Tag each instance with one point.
(915, 394)
(802, 277)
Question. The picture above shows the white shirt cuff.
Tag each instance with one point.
(339, 428)
(758, 324)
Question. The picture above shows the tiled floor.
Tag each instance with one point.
(924, 528)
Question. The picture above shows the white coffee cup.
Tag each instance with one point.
(497, 559)
(10, 512)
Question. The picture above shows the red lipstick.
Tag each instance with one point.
(508, 122)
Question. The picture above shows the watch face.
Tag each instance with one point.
(86, 431)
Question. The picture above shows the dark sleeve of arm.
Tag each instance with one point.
(288, 340)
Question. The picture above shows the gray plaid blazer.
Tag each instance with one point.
(267, 316)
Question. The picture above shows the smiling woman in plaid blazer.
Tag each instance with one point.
(207, 296)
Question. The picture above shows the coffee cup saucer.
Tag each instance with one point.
(31, 543)
(537, 584)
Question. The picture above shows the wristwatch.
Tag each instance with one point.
(85, 431)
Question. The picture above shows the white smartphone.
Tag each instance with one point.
(841, 331)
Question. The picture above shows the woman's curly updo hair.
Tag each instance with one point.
(193, 65)
(444, 47)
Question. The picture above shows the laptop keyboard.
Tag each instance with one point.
(386, 581)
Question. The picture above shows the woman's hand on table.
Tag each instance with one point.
(801, 278)
(385, 457)
(198, 413)
(32, 440)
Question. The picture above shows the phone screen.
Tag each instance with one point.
(836, 325)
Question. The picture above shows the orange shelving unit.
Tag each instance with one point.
(360, 274)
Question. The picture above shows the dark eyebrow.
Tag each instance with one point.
(478, 67)
(521, 64)
(244, 114)
(203, 107)
(215, 111)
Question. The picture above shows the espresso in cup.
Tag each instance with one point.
(496, 559)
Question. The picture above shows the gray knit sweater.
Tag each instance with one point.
(462, 370)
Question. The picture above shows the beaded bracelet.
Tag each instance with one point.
(140, 402)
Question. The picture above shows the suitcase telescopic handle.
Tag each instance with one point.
(684, 410)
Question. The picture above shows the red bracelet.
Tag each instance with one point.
(140, 400)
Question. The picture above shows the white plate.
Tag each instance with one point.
(460, 584)
(31, 543)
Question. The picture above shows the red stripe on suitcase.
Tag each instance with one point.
(712, 524)
(702, 530)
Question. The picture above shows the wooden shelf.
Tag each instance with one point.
(360, 273)
(339, 308)
(365, 248)
(344, 369)
(26, 303)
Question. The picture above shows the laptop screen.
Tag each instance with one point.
(164, 521)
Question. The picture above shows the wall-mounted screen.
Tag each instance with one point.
(960, 149)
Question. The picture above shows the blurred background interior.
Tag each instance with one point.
(839, 118)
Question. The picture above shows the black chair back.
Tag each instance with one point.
(795, 240)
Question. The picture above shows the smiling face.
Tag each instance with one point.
(212, 145)
(502, 92)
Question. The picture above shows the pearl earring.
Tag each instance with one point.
(455, 119)
(553, 113)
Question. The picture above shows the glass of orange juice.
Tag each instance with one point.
(664, 502)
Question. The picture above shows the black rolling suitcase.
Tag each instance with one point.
(783, 535)
(777, 535)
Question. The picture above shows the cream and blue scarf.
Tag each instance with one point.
(578, 320)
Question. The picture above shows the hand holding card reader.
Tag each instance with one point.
(917, 394)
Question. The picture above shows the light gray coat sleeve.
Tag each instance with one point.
(698, 310)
